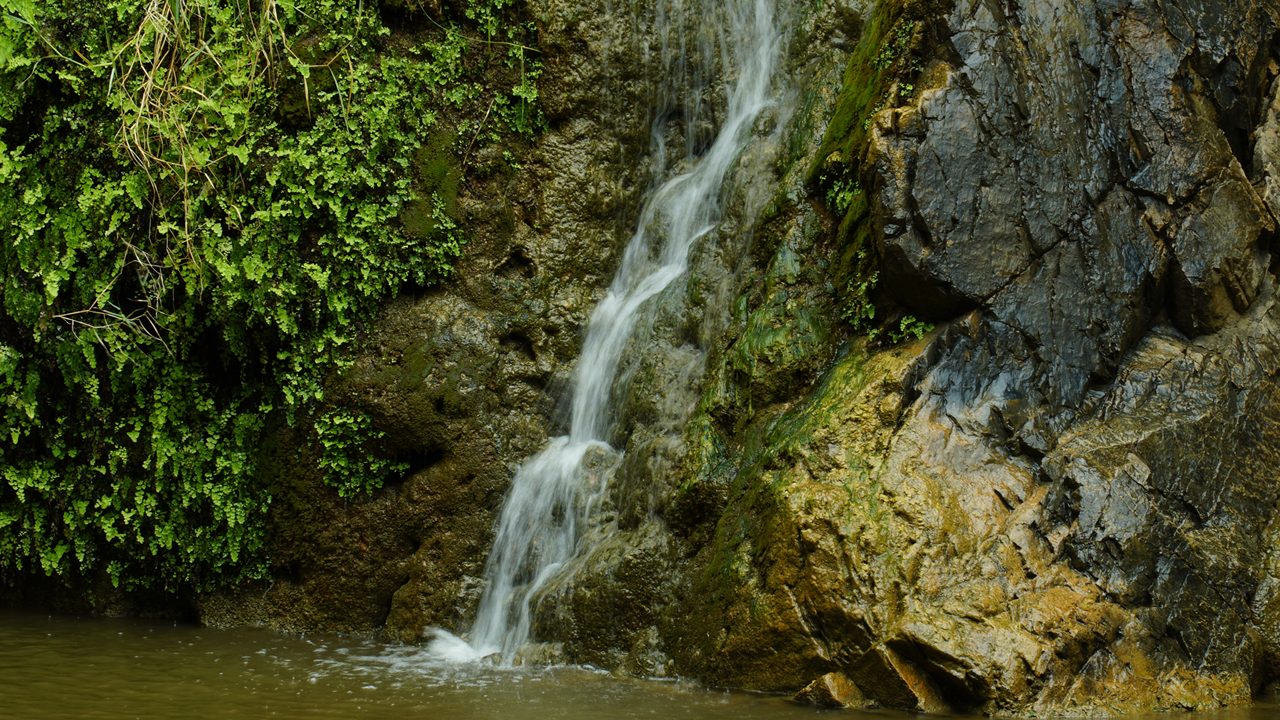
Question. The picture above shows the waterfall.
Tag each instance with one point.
(552, 493)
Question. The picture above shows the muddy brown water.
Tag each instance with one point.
(61, 667)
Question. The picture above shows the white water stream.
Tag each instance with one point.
(551, 495)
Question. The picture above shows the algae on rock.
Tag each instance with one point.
(1062, 500)
(1066, 504)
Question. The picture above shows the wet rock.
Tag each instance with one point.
(1063, 500)
(1220, 259)
(928, 567)
(1266, 157)
(832, 690)
(1057, 164)
(462, 381)
(1168, 499)
(1266, 610)
(603, 607)
(610, 604)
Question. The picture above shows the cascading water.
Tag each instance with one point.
(552, 493)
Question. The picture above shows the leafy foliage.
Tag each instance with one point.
(201, 200)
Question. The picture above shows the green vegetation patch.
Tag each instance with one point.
(201, 202)
(881, 73)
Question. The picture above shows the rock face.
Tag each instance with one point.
(464, 380)
(1063, 499)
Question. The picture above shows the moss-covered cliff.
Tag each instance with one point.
(969, 403)
(202, 203)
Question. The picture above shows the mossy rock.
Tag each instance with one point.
(437, 175)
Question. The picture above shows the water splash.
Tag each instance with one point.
(553, 493)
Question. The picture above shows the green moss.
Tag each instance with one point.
(432, 213)
(437, 170)
(192, 246)
(881, 73)
(884, 63)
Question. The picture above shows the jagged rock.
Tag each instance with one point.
(1059, 164)
(1063, 500)
(1266, 156)
(832, 690)
(1220, 260)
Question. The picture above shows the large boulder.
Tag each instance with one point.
(1064, 498)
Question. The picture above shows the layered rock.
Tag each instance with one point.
(1063, 499)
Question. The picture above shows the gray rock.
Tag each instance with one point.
(1064, 499)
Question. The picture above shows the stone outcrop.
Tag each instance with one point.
(1062, 499)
